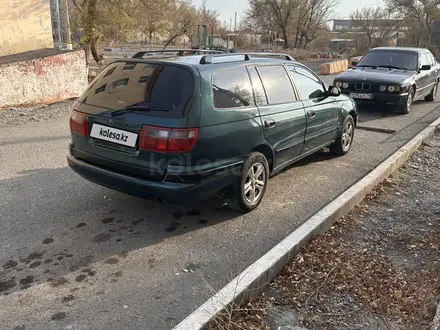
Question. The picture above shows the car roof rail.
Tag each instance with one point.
(207, 59)
(180, 52)
(267, 54)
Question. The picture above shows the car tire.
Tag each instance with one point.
(406, 108)
(344, 142)
(250, 184)
(431, 97)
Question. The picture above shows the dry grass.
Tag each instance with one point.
(333, 279)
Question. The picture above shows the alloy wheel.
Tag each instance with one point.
(254, 183)
(409, 101)
(347, 135)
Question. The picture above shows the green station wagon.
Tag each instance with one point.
(194, 127)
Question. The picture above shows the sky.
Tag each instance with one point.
(227, 8)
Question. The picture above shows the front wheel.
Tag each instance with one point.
(345, 140)
(406, 108)
(250, 185)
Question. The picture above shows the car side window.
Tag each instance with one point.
(423, 60)
(232, 88)
(260, 94)
(428, 59)
(433, 60)
(277, 84)
(309, 86)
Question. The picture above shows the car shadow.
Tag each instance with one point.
(55, 223)
(370, 112)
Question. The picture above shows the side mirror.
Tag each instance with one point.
(353, 64)
(425, 68)
(334, 91)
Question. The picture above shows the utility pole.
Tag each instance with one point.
(268, 40)
(235, 31)
(57, 10)
(67, 23)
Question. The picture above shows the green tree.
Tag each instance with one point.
(153, 16)
(273, 14)
(99, 19)
(312, 24)
(183, 18)
(304, 19)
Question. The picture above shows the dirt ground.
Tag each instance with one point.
(376, 268)
(22, 115)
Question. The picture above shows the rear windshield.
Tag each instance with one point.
(390, 58)
(166, 90)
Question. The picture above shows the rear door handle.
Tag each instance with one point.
(269, 123)
(311, 114)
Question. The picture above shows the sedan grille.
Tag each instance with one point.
(362, 86)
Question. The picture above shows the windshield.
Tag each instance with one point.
(123, 85)
(390, 58)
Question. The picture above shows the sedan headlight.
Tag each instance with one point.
(391, 89)
(338, 84)
(345, 85)
(383, 88)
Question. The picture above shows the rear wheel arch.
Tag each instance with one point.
(250, 185)
(267, 152)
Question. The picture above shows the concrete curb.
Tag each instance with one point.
(257, 275)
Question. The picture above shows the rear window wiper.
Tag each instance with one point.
(392, 67)
(140, 108)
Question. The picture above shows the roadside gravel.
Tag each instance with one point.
(23, 115)
(377, 268)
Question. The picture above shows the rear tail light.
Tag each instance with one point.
(78, 123)
(160, 139)
(154, 138)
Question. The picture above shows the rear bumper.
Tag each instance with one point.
(382, 98)
(205, 188)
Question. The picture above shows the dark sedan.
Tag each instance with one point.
(393, 76)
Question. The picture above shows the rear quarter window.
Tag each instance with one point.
(231, 88)
(153, 85)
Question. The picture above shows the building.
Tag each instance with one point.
(25, 25)
(348, 34)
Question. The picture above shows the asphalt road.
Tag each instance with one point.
(75, 255)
